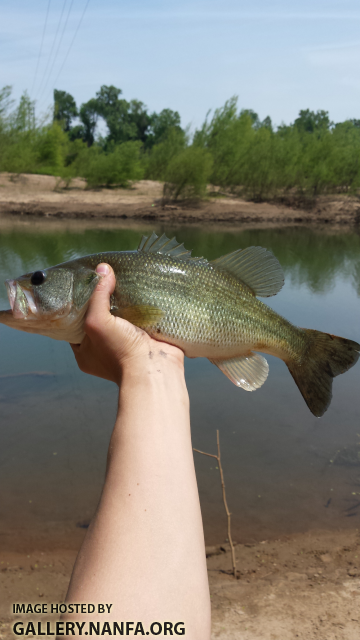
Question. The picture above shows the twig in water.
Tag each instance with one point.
(218, 458)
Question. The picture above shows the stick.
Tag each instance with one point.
(218, 458)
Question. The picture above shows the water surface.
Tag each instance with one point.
(285, 470)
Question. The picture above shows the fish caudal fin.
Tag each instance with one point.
(327, 356)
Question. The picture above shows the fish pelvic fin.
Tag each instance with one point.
(142, 316)
(248, 372)
(167, 247)
(326, 357)
(256, 267)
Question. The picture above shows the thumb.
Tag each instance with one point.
(99, 305)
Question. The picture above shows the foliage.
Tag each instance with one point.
(233, 148)
(26, 147)
(162, 125)
(118, 168)
(310, 157)
(161, 154)
(64, 109)
(188, 173)
(313, 122)
(5, 101)
(89, 116)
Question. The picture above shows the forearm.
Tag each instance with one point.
(144, 551)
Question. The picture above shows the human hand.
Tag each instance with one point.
(113, 345)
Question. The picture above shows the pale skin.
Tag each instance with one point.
(144, 550)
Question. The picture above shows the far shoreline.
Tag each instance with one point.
(31, 196)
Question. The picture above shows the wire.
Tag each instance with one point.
(58, 47)
(41, 46)
(52, 48)
(71, 43)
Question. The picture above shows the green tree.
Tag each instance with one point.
(188, 173)
(160, 126)
(89, 116)
(5, 101)
(253, 117)
(118, 168)
(267, 123)
(24, 116)
(107, 99)
(125, 120)
(311, 121)
(51, 147)
(64, 109)
(227, 136)
(140, 119)
(161, 154)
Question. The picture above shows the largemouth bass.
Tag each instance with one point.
(208, 309)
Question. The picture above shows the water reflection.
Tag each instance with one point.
(54, 428)
(307, 257)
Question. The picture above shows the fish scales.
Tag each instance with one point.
(202, 305)
(208, 309)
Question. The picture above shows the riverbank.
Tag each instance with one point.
(305, 586)
(45, 196)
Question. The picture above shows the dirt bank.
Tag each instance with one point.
(44, 196)
(306, 586)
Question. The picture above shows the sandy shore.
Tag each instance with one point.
(45, 196)
(305, 586)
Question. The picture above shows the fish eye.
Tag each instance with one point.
(38, 277)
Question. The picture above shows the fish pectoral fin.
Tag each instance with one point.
(140, 315)
(256, 267)
(248, 372)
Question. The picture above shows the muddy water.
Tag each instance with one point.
(285, 470)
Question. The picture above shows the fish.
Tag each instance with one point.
(206, 308)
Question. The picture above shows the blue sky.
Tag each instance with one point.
(190, 56)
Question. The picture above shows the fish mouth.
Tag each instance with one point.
(21, 300)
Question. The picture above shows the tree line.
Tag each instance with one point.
(233, 149)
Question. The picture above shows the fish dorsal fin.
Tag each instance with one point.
(167, 247)
(248, 372)
(256, 267)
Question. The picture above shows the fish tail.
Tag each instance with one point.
(325, 357)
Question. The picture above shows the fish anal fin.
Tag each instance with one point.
(166, 246)
(248, 372)
(256, 267)
(140, 315)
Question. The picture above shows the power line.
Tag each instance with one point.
(58, 47)
(52, 48)
(72, 42)
(41, 46)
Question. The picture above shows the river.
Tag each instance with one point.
(285, 470)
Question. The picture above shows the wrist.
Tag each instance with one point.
(169, 361)
(158, 376)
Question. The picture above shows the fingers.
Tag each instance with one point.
(99, 306)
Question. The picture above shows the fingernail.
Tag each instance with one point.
(103, 269)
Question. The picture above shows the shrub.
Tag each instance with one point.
(119, 167)
(51, 146)
(157, 160)
(188, 173)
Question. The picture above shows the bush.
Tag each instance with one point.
(158, 159)
(188, 173)
(119, 167)
(51, 146)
